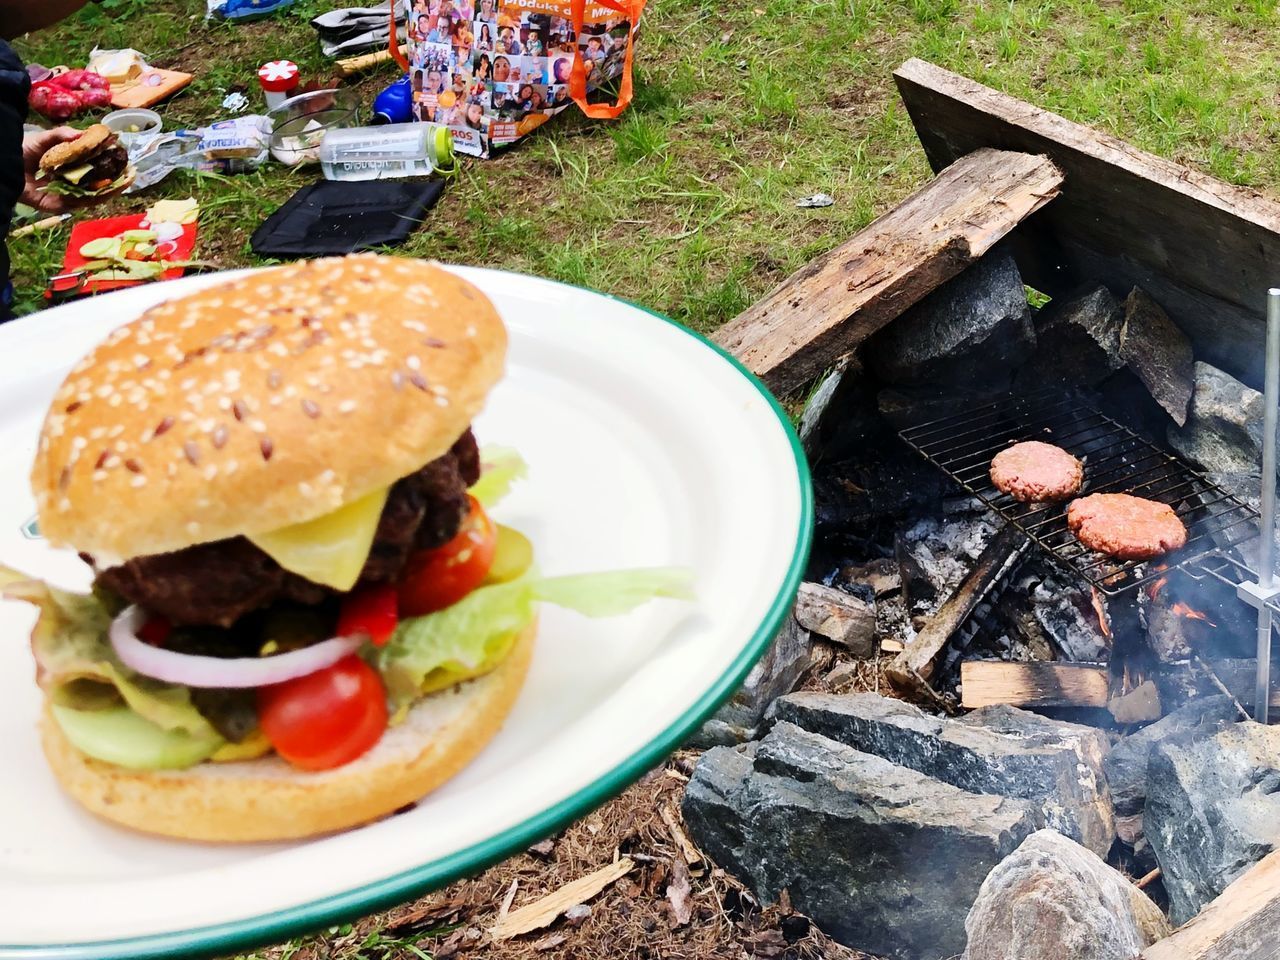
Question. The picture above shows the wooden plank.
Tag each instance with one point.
(1203, 249)
(1039, 684)
(914, 665)
(820, 313)
(1240, 924)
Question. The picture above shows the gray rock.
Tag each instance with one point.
(965, 332)
(1002, 751)
(1126, 765)
(1223, 433)
(777, 672)
(1213, 810)
(1077, 341)
(1052, 899)
(880, 857)
(1159, 353)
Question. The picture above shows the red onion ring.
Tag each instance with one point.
(222, 672)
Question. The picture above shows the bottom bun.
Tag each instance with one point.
(266, 799)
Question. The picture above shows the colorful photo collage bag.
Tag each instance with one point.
(494, 70)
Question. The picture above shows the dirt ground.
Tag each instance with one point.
(673, 905)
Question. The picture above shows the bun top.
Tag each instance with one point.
(263, 402)
(73, 151)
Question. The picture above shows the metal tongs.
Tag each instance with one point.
(1263, 591)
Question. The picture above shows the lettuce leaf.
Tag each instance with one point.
(500, 468)
(472, 637)
(77, 668)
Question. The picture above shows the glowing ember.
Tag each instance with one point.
(1182, 610)
(1155, 586)
(1101, 611)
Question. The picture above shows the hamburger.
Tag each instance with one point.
(94, 164)
(302, 618)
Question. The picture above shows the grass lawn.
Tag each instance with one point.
(687, 204)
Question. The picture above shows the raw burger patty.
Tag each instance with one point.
(1125, 527)
(1035, 471)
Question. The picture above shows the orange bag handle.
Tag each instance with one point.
(631, 9)
(395, 39)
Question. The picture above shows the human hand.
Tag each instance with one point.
(35, 146)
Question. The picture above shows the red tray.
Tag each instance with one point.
(88, 230)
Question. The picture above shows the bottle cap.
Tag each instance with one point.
(278, 76)
(444, 147)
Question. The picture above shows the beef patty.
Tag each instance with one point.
(107, 165)
(1126, 527)
(1035, 471)
(215, 584)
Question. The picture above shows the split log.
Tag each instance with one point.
(1066, 684)
(1203, 249)
(823, 311)
(1240, 925)
(1043, 684)
(913, 667)
(840, 617)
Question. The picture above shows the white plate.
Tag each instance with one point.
(646, 445)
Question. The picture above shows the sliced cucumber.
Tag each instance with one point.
(512, 556)
(126, 739)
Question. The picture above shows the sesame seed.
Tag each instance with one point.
(419, 381)
(267, 447)
(192, 452)
(163, 426)
(193, 528)
(138, 481)
(442, 401)
(257, 426)
(397, 379)
(274, 379)
(434, 342)
(311, 408)
(220, 435)
(346, 406)
(240, 410)
(413, 362)
(74, 406)
(64, 478)
(132, 465)
(211, 471)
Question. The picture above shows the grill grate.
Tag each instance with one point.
(1116, 460)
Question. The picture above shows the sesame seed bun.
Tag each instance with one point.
(266, 799)
(75, 151)
(264, 402)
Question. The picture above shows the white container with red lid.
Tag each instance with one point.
(279, 79)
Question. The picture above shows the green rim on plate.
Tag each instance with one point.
(232, 935)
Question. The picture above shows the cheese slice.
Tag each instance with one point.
(76, 174)
(330, 550)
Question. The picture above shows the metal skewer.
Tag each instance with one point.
(1261, 593)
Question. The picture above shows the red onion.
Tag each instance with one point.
(235, 672)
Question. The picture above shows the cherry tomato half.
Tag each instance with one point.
(438, 578)
(155, 631)
(326, 718)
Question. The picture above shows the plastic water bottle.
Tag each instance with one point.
(386, 152)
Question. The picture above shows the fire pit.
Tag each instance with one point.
(1143, 365)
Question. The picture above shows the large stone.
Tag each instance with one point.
(1159, 353)
(1126, 765)
(1213, 810)
(1001, 750)
(777, 672)
(1077, 341)
(1052, 899)
(882, 858)
(1223, 433)
(967, 332)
